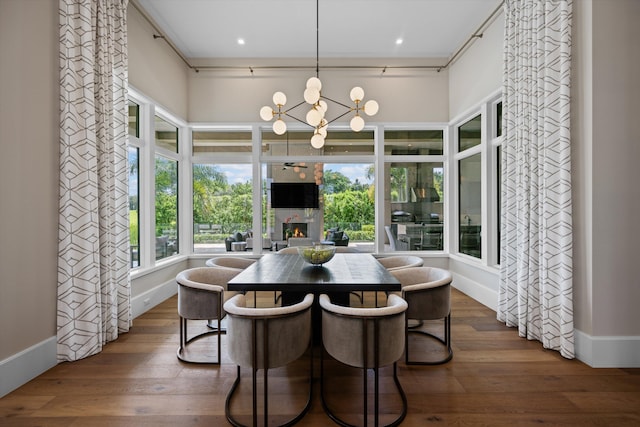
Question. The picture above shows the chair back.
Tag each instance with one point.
(347, 331)
(288, 332)
(230, 262)
(392, 238)
(427, 290)
(201, 292)
(398, 262)
(290, 250)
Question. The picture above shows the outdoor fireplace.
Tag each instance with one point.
(294, 229)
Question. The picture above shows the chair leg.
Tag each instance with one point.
(446, 341)
(185, 341)
(343, 423)
(254, 391)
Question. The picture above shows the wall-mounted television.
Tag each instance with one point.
(296, 195)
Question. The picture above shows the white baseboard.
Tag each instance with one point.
(147, 300)
(484, 295)
(608, 351)
(24, 366)
(597, 352)
(29, 363)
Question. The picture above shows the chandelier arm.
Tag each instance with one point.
(340, 116)
(336, 102)
(297, 119)
(294, 107)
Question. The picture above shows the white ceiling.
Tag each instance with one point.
(347, 28)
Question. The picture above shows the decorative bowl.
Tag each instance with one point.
(317, 254)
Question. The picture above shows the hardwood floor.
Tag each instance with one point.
(494, 379)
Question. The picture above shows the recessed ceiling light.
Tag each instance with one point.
(399, 41)
(240, 41)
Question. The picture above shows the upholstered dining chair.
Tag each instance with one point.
(230, 262)
(397, 262)
(201, 295)
(289, 250)
(238, 264)
(427, 291)
(266, 338)
(366, 338)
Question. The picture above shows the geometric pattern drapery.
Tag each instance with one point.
(94, 295)
(535, 292)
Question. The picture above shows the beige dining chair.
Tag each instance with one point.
(239, 264)
(230, 262)
(365, 338)
(267, 338)
(397, 262)
(427, 291)
(288, 251)
(201, 295)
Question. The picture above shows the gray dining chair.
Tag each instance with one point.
(365, 338)
(427, 291)
(267, 338)
(201, 295)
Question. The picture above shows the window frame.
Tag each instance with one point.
(449, 160)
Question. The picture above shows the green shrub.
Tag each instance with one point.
(361, 235)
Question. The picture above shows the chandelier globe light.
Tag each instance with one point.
(312, 95)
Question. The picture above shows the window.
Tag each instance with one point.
(166, 135)
(398, 184)
(470, 204)
(134, 206)
(337, 143)
(499, 119)
(134, 183)
(469, 134)
(222, 206)
(134, 119)
(166, 203)
(414, 183)
(210, 141)
(349, 204)
(413, 142)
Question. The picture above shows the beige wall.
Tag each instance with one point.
(154, 69)
(478, 72)
(616, 157)
(29, 132)
(236, 96)
(581, 157)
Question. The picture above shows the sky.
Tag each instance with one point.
(242, 172)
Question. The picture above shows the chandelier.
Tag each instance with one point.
(316, 116)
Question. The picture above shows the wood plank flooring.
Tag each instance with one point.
(495, 379)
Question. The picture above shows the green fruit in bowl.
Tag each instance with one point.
(318, 254)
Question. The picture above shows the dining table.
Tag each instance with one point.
(294, 277)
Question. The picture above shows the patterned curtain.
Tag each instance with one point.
(536, 245)
(93, 276)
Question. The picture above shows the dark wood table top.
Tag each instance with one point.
(289, 272)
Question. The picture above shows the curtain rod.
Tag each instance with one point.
(161, 35)
(476, 34)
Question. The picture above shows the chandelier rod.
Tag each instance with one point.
(317, 38)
